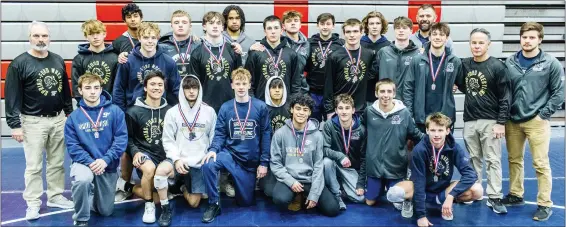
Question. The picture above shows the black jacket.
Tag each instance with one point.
(103, 64)
(376, 46)
(315, 67)
(182, 56)
(340, 80)
(415, 86)
(394, 64)
(124, 43)
(215, 79)
(486, 87)
(145, 127)
(36, 86)
(262, 67)
(334, 146)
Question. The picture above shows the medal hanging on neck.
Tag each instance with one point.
(243, 126)
(216, 64)
(131, 41)
(436, 158)
(347, 145)
(301, 149)
(191, 127)
(94, 125)
(275, 61)
(354, 69)
(432, 71)
(186, 57)
(324, 53)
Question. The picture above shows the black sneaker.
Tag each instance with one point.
(211, 212)
(166, 215)
(511, 200)
(496, 206)
(81, 223)
(542, 214)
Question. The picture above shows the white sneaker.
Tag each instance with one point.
(120, 184)
(229, 190)
(60, 201)
(407, 209)
(149, 214)
(121, 196)
(448, 218)
(398, 206)
(32, 213)
(469, 202)
(204, 196)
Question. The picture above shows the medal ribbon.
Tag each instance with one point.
(301, 150)
(322, 51)
(432, 73)
(436, 157)
(275, 63)
(131, 40)
(352, 59)
(243, 127)
(347, 145)
(216, 59)
(94, 125)
(186, 52)
(189, 126)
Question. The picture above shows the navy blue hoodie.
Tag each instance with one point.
(422, 168)
(255, 149)
(83, 147)
(129, 79)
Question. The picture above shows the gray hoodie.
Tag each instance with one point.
(288, 167)
(245, 41)
(394, 63)
(386, 154)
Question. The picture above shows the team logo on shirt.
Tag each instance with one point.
(145, 69)
(101, 69)
(217, 70)
(152, 130)
(443, 165)
(476, 83)
(236, 132)
(268, 68)
(353, 73)
(317, 59)
(87, 127)
(450, 67)
(49, 81)
(538, 67)
(395, 120)
(356, 135)
(408, 60)
(277, 122)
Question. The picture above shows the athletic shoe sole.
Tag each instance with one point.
(547, 217)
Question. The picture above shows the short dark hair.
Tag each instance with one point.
(324, 17)
(427, 6)
(440, 26)
(190, 82)
(271, 18)
(151, 74)
(343, 98)
(352, 22)
(532, 26)
(276, 82)
(438, 118)
(402, 21)
(303, 100)
(240, 13)
(481, 30)
(130, 9)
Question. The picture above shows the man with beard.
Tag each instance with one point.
(234, 25)
(95, 58)
(375, 27)
(484, 81)
(426, 16)
(394, 60)
(214, 60)
(37, 90)
(322, 45)
(179, 44)
(537, 88)
(276, 60)
(132, 16)
(349, 69)
(430, 78)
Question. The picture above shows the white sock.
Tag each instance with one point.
(164, 202)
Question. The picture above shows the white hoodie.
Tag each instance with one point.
(176, 136)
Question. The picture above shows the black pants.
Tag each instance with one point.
(327, 202)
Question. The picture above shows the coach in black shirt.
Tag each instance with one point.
(37, 87)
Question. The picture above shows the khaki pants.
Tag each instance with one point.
(537, 131)
(43, 133)
(481, 143)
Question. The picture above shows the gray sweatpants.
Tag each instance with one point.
(91, 192)
(347, 176)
